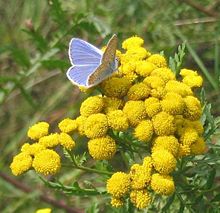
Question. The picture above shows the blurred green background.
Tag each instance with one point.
(34, 37)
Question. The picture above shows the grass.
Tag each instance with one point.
(33, 60)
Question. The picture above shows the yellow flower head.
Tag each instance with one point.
(154, 82)
(135, 112)
(152, 106)
(119, 184)
(47, 162)
(32, 149)
(21, 163)
(188, 136)
(128, 67)
(67, 125)
(80, 123)
(163, 124)
(140, 176)
(184, 150)
(164, 73)
(102, 148)
(46, 210)
(138, 91)
(117, 202)
(116, 87)
(164, 162)
(197, 125)
(148, 163)
(96, 126)
(66, 141)
(38, 130)
(158, 93)
(157, 60)
(199, 147)
(191, 78)
(137, 53)
(111, 104)
(178, 87)
(169, 143)
(132, 42)
(144, 68)
(173, 103)
(144, 131)
(117, 120)
(140, 198)
(91, 105)
(193, 109)
(50, 140)
(162, 184)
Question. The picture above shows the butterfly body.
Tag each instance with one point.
(90, 66)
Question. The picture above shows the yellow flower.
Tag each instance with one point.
(140, 176)
(154, 82)
(191, 78)
(163, 124)
(38, 130)
(137, 53)
(67, 125)
(169, 143)
(144, 131)
(46, 210)
(164, 73)
(197, 125)
(152, 106)
(135, 111)
(184, 150)
(158, 93)
(199, 147)
(91, 105)
(80, 123)
(117, 202)
(144, 68)
(102, 148)
(162, 184)
(140, 198)
(193, 109)
(47, 162)
(128, 67)
(66, 141)
(50, 140)
(96, 126)
(21, 163)
(164, 162)
(188, 136)
(119, 184)
(116, 87)
(138, 91)
(157, 60)
(148, 163)
(117, 120)
(32, 149)
(111, 104)
(178, 87)
(173, 103)
(132, 42)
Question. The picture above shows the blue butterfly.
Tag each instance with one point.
(90, 65)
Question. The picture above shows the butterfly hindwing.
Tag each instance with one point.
(78, 74)
(83, 53)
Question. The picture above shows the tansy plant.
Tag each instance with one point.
(146, 115)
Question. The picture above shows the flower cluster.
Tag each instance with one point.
(143, 98)
(40, 155)
(162, 111)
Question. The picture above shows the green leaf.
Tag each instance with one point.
(211, 178)
(168, 203)
(216, 198)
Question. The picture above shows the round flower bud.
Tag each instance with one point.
(152, 106)
(140, 198)
(144, 131)
(38, 130)
(157, 60)
(138, 91)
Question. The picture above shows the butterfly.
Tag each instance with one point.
(90, 65)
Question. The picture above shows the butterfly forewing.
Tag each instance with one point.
(83, 53)
(110, 51)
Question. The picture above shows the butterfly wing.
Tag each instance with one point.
(83, 53)
(110, 51)
(78, 74)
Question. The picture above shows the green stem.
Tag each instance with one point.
(86, 168)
